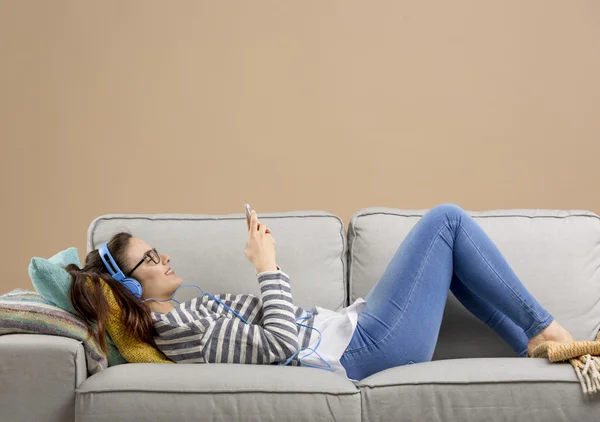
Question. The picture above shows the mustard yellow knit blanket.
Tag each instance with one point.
(583, 355)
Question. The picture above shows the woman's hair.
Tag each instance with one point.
(93, 307)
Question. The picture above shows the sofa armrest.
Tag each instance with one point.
(38, 377)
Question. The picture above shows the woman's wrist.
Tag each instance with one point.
(267, 267)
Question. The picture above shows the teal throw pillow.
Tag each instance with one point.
(51, 280)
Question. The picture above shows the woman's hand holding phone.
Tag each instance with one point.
(260, 248)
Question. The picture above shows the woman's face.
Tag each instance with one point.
(153, 278)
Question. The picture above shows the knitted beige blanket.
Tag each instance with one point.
(583, 355)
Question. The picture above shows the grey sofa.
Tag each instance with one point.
(473, 376)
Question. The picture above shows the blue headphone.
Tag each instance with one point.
(135, 287)
(131, 284)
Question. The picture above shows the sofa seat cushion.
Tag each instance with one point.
(476, 389)
(192, 392)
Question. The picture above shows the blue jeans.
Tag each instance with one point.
(446, 249)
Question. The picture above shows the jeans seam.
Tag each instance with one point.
(409, 295)
(525, 305)
(496, 311)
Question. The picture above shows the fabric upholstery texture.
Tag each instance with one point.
(38, 377)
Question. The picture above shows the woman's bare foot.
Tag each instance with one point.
(553, 332)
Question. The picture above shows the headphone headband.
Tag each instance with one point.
(110, 263)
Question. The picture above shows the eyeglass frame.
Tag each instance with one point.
(146, 255)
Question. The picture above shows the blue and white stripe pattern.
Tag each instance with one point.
(202, 330)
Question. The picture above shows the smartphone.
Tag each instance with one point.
(249, 217)
(248, 213)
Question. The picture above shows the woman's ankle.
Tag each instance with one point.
(553, 332)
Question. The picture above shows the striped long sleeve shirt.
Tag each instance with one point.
(202, 330)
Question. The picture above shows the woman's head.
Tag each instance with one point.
(151, 268)
(134, 258)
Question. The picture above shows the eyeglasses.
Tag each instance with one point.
(152, 254)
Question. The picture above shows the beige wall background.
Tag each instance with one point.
(201, 106)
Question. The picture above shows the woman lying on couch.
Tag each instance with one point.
(396, 324)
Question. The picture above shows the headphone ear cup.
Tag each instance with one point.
(133, 286)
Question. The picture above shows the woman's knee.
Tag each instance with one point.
(447, 209)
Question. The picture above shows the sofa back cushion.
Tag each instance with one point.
(208, 250)
(555, 253)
